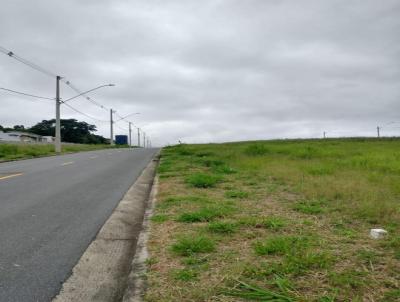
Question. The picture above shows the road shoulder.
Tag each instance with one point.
(102, 271)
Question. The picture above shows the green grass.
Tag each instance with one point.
(202, 215)
(281, 245)
(221, 227)
(284, 220)
(254, 293)
(185, 274)
(311, 207)
(274, 223)
(22, 151)
(189, 245)
(202, 180)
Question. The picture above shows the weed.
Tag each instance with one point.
(280, 245)
(189, 245)
(203, 215)
(201, 180)
(300, 262)
(222, 227)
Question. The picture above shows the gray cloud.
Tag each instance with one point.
(204, 71)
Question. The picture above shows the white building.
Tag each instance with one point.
(24, 137)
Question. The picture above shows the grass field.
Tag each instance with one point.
(22, 151)
(277, 221)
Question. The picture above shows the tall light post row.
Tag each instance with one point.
(57, 141)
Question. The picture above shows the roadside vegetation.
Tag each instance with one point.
(277, 221)
(23, 151)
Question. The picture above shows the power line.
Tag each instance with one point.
(27, 94)
(85, 114)
(27, 62)
(84, 95)
(49, 73)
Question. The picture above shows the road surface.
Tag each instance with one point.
(51, 209)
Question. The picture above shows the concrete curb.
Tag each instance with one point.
(102, 272)
(136, 283)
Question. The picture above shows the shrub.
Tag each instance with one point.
(189, 245)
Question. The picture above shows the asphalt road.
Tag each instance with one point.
(51, 209)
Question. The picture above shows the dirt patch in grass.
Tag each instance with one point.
(290, 224)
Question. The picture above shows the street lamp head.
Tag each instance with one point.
(111, 85)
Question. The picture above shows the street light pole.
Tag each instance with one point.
(57, 141)
(144, 140)
(138, 137)
(111, 128)
(130, 134)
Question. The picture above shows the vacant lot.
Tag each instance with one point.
(21, 151)
(277, 221)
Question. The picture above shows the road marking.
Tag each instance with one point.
(110, 153)
(67, 163)
(93, 157)
(10, 176)
(119, 151)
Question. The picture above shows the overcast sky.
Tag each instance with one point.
(209, 71)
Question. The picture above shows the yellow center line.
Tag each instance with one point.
(10, 176)
(67, 163)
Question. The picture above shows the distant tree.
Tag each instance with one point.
(19, 127)
(72, 131)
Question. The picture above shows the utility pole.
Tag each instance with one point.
(324, 134)
(130, 134)
(111, 128)
(378, 131)
(138, 137)
(144, 140)
(57, 142)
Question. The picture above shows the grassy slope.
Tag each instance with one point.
(21, 151)
(278, 220)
